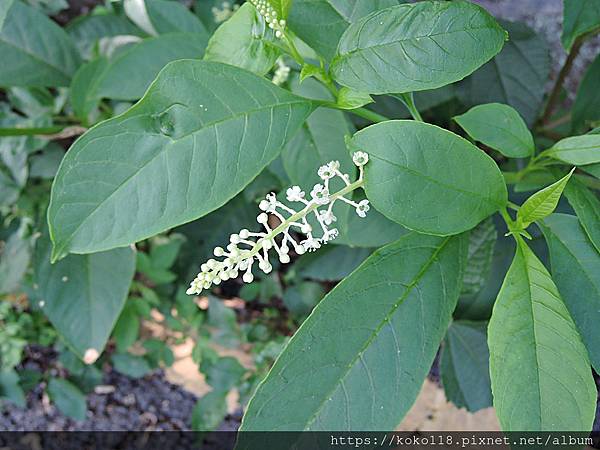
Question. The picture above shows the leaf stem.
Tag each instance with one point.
(369, 115)
(409, 101)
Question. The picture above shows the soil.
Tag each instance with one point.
(120, 403)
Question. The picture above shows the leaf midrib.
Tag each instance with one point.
(382, 323)
(435, 181)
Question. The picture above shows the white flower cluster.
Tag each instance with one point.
(247, 248)
(282, 72)
(268, 12)
(225, 12)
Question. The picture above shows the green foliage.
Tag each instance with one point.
(68, 398)
(464, 365)
(397, 50)
(581, 17)
(585, 109)
(577, 150)
(575, 269)
(244, 41)
(394, 309)
(412, 177)
(499, 127)
(35, 50)
(165, 130)
(541, 379)
(83, 295)
(542, 203)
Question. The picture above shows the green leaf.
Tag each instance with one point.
(131, 365)
(68, 398)
(586, 108)
(331, 263)
(429, 179)
(35, 50)
(580, 17)
(244, 41)
(171, 16)
(351, 99)
(223, 374)
(83, 93)
(15, 255)
(415, 47)
(540, 372)
(479, 261)
(577, 150)
(499, 127)
(364, 351)
(209, 412)
(587, 207)
(201, 133)
(131, 70)
(301, 298)
(45, 164)
(321, 23)
(542, 203)
(517, 76)
(308, 70)
(10, 388)
(282, 7)
(127, 327)
(464, 365)
(83, 295)
(86, 31)
(575, 269)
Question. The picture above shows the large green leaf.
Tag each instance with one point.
(576, 271)
(464, 365)
(429, 179)
(577, 150)
(415, 47)
(586, 109)
(540, 372)
(282, 7)
(83, 295)
(500, 127)
(359, 360)
(131, 70)
(586, 205)
(517, 76)
(244, 41)
(580, 17)
(35, 50)
(321, 23)
(201, 133)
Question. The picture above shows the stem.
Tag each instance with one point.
(293, 51)
(566, 69)
(369, 115)
(409, 101)
(299, 215)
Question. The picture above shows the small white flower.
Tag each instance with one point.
(262, 218)
(320, 194)
(328, 170)
(311, 244)
(360, 158)
(362, 208)
(330, 235)
(295, 194)
(327, 217)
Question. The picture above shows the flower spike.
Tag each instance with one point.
(247, 248)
